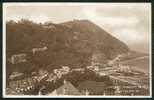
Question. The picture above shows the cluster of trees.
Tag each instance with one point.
(25, 35)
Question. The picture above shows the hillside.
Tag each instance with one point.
(100, 39)
(138, 61)
(70, 43)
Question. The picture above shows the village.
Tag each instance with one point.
(112, 79)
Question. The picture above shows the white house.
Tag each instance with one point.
(34, 50)
(93, 68)
(15, 74)
(124, 68)
(18, 58)
(59, 72)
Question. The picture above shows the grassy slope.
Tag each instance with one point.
(137, 62)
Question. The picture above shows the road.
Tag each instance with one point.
(134, 59)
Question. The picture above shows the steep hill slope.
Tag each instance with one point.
(97, 37)
(71, 43)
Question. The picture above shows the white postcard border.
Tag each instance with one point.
(69, 4)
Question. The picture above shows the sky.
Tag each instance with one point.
(129, 22)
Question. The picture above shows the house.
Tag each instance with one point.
(66, 68)
(66, 89)
(15, 75)
(18, 58)
(93, 68)
(63, 71)
(51, 78)
(101, 74)
(92, 87)
(58, 73)
(118, 91)
(78, 69)
(124, 68)
(42, 74)
(34, 50)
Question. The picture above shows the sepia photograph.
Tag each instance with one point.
(77, 50)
